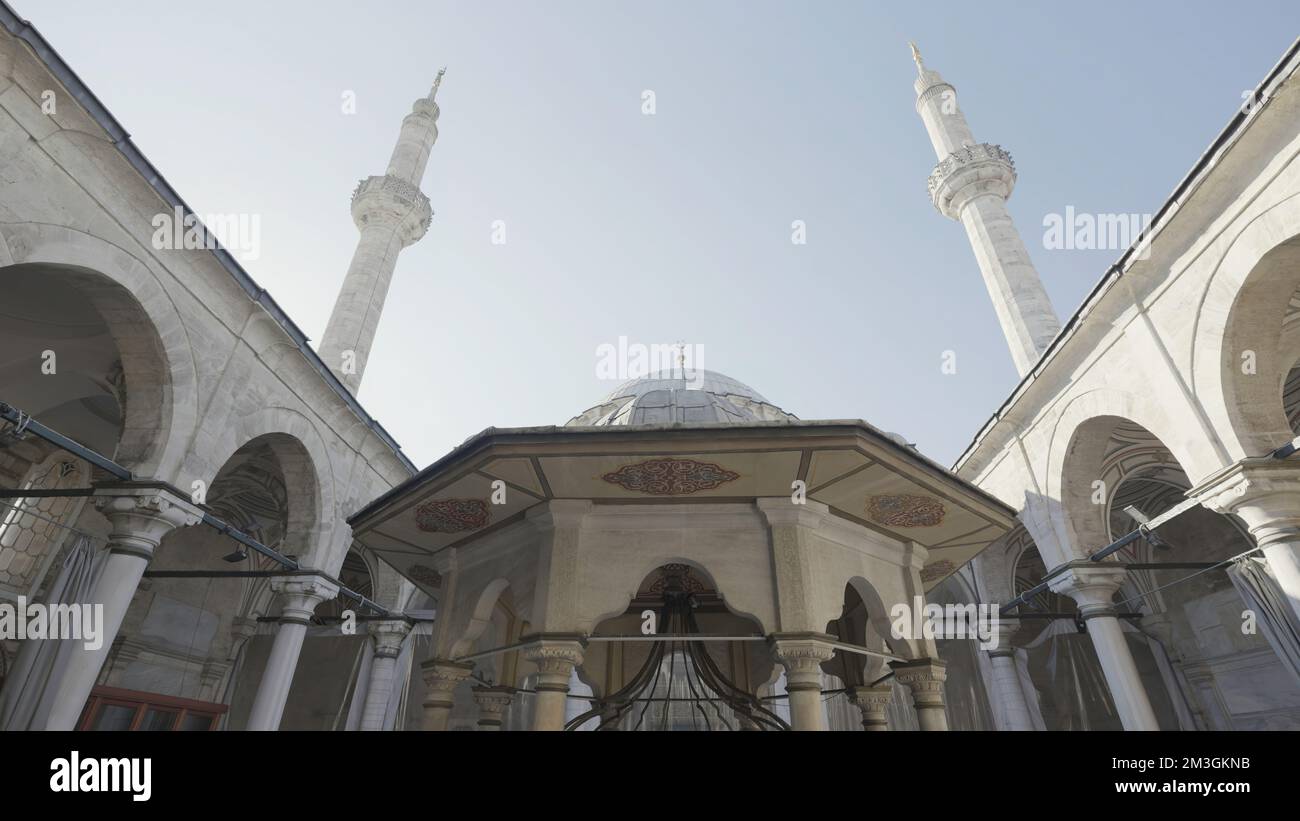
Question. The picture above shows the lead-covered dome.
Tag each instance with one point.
(689, 396)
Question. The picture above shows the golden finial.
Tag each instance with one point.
(916, 57)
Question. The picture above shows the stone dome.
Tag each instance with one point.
(687, 396)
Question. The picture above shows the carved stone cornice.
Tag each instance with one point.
(968, 172)
(393, 203)
(781, 512)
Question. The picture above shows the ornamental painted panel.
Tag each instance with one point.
(451, 515)
(670, 477)
(937, 570)
(424, 575)
(676, 577)
(903, 510)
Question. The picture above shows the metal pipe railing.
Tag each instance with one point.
(25, 423)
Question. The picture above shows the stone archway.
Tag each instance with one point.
(158, 365)
(1242, 350)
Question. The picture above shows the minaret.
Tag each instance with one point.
(971, 183)
(391, 213)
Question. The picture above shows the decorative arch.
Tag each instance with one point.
(309, 481)
(1076, 458)
(614, 602)
(878, 620)
(1242, 309)
(480, 616)
(994, 568)
(158, 360)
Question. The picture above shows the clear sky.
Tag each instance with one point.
(676, 226)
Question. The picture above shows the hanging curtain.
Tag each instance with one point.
(1027, 687)
(360, 687)
(1076, 696)
(1261, 593)
(27, 698)
(401, 678)
(965, 698)
(901, 712)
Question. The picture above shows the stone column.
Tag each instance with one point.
(924, 678)
(802, 656)
(873, 702)
(297, 597)
(1265, 494)
(388, 636)
(441, 678)
(492, 703)
(139, 517)
(1006, 681)
(556, 659)
(1092, 585)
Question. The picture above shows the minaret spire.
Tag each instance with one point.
(971, 184)
(391, 213)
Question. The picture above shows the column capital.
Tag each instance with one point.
(1004, 629)
(802, 655)
(871, 699)
(299, 595)
(142, 513)
(388, 635)
(492, 703)
(1264, 492)
(873, 702)
(441, 678)
(555, 656)
(1092, 585)
(924, 678)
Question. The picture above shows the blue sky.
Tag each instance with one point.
(674, 226)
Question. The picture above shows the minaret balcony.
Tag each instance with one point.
(392, 203)
(969, 172)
